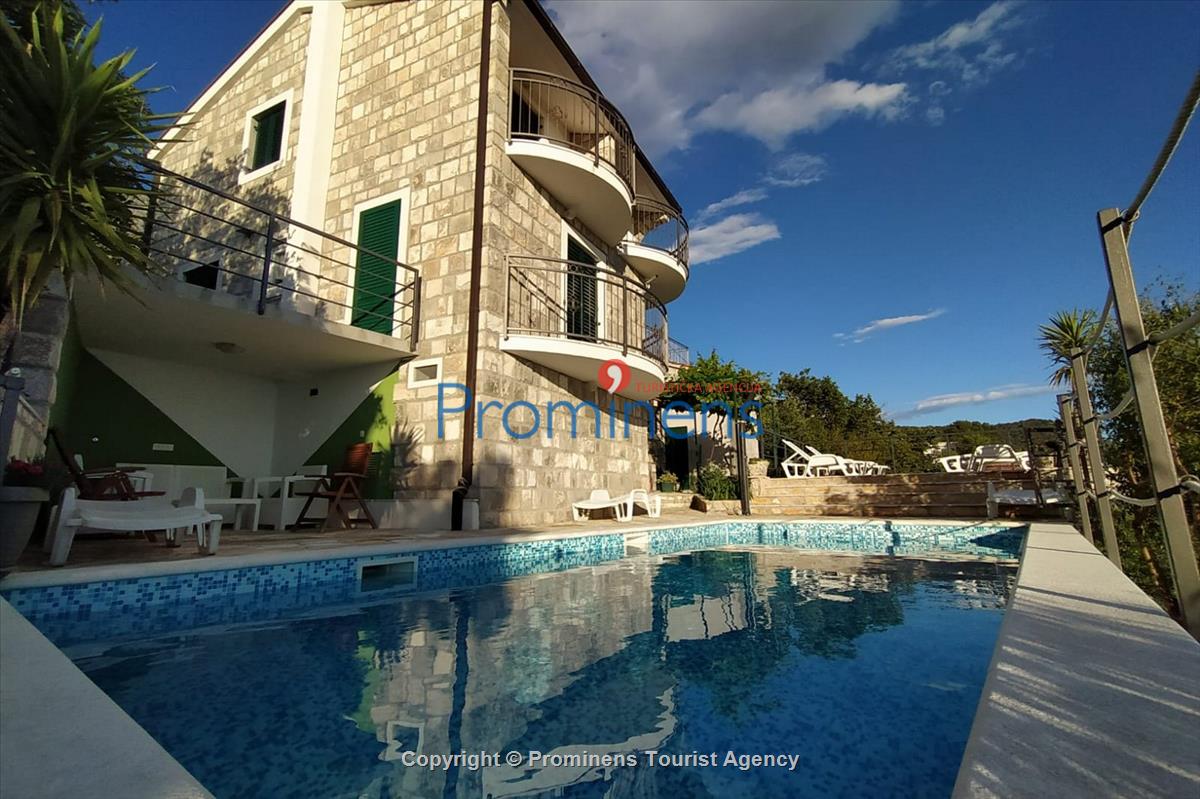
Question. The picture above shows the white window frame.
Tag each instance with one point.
(423, 382)
(569, 233)
(247, 175)
(401, 194)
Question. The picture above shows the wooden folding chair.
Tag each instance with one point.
(107, 483)
(343, 489)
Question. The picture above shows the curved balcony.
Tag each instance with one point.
(573, 317)
(575, 144)
(657, 247)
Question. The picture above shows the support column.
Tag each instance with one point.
(1159, 455)
(1066, 410)
(1091, 436)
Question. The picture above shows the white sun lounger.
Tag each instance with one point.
(1019, 496)
(74, 515)
(796, 464)
(600, 500)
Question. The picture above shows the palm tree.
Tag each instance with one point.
(73, 138)
(1067, 332)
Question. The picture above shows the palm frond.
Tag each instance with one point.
(73, 141)
(1066, 332)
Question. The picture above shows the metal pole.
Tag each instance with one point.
(1159, 456)
(268, 246)
(739, 446)
(1091, 437)
(1066, 410)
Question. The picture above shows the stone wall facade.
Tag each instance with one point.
(404, 126)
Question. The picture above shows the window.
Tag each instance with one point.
(267, 136)
(205, 275)
(582, 299)
(425, 373)
(375, 271)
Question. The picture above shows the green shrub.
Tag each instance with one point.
(714, 483)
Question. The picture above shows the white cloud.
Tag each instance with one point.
(935, 114)
(941, 402)
(887, 323)
(730, 235)
(797, 169)
(743, 197)
(970, 51)
(761, 68)
(775, 114)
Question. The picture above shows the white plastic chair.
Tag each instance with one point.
(796, 464)
(74, 516)
(651, 502)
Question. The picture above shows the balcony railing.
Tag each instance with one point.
(658, 225)
(678, 353)
(550, 107)
(211, 239)
(583, 302)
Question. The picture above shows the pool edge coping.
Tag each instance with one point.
(1068, 719)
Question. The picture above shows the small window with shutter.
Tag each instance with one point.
(266, 140)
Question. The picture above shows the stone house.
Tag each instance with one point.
(377, 209)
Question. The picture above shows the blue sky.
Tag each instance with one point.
(895, 195)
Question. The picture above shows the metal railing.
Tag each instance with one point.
(658, 225)
(559, 110)
(212, 239)
(1167, 487)
(583, 302)
(678, 353)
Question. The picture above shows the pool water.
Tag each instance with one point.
(864, 669)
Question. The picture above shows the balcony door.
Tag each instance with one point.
(583, 314)
(375, 277)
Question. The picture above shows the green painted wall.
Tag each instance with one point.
(103, 418)
(373, 420)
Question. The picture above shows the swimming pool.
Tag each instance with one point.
(844, 669)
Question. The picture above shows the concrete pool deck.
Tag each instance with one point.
(1092, 691)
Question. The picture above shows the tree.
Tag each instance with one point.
(73, 138)
(1177, 372)
(1066, 332)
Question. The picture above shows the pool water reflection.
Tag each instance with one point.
(865, 669)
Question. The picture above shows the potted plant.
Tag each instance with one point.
(668, 483)
(21, 498)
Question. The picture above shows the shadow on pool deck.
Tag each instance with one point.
(1093, 692)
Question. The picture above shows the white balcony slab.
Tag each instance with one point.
(590, 189)
(171, 320)
(665, 274)
(582, 360)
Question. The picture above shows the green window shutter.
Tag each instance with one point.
(582, 303)
(375, 278)
(268, 137)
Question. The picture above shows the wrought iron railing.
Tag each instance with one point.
(658, 225)
(583, 302)
(550, 107)
(209, 238)
(678, 353)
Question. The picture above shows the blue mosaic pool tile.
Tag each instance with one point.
(118, 608)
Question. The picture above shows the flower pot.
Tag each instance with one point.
(19, 506)
(667, 488)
